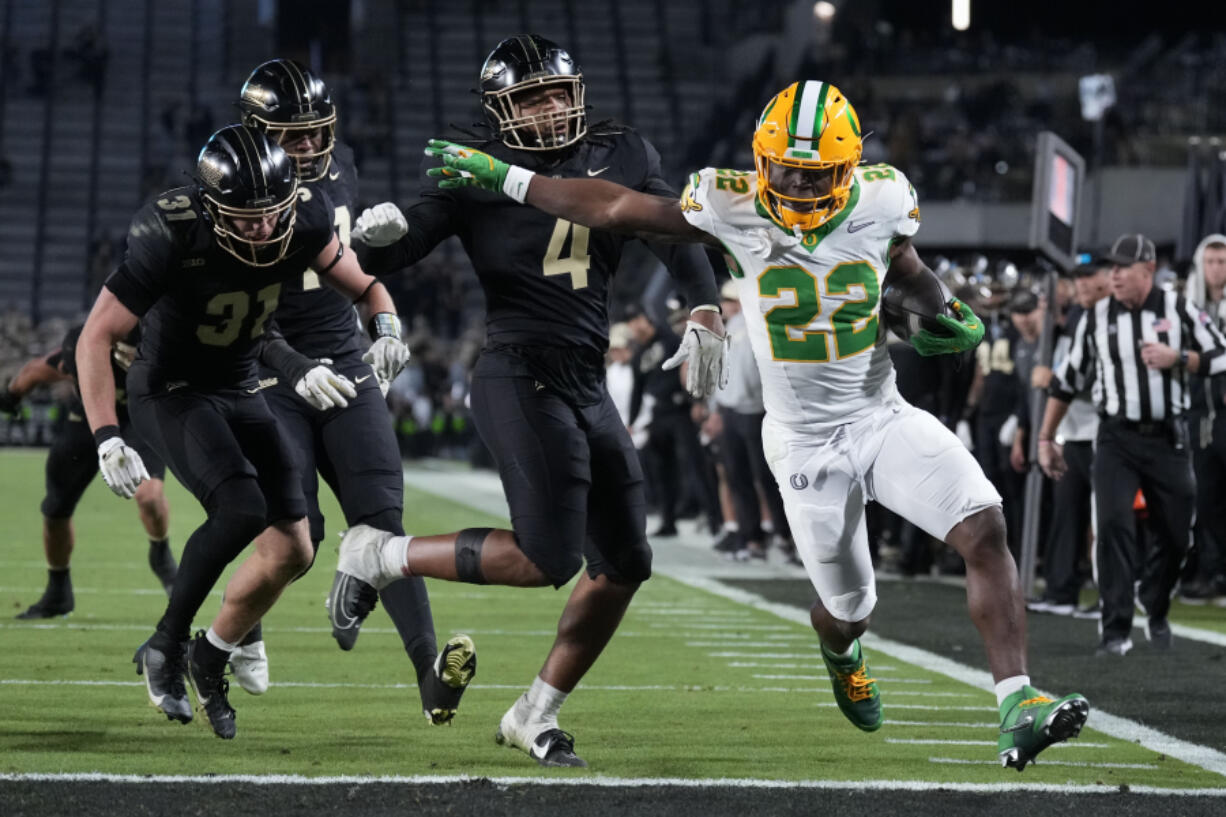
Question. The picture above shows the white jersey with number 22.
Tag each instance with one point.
(811, 302)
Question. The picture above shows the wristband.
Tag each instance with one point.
(105, 433)
(707, 308)
(384, 325)
(516, 183)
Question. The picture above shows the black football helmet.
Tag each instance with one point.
(528, 62)
(285, 100)
(244, 174)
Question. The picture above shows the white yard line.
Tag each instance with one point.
(615, 782)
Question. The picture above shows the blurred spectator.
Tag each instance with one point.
(1205, 573)
(740, 410)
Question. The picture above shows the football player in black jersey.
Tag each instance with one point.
(203, 273)
(71, 466)
(570, 473)
(352, 447)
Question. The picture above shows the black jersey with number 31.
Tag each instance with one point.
(203, 310)
(314, 318)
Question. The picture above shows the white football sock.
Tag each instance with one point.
(217, 641)
(394, 558)
(1010, 685)
(540, 704)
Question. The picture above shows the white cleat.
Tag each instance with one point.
(249, 664)
(547, 745)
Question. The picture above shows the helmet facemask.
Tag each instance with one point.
(808, 133)
(312, 164)
(553, 128)
(255, 252)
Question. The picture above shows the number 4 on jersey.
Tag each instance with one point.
(578, 262)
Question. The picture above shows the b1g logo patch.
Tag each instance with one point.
(799, 481)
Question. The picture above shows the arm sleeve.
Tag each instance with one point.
(276, 353)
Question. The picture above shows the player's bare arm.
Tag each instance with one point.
(109, 322)
(35, 372)
(339, 268)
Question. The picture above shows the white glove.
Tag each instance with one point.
(121, 467)
(324, 388)
(706, 353)
(380, 225)
(387, 356)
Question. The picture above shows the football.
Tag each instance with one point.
(913, 302)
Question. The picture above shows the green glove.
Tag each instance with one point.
(463, 166)
(966, 332)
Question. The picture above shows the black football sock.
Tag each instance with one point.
(253, 635)
(408, 604)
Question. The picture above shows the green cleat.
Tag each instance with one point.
(1030, 722)
(855, 692)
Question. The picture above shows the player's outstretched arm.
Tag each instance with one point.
(33, 373)
(594, 203)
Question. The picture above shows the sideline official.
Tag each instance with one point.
(1137, 346)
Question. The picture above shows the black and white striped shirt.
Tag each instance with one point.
(1106, 354)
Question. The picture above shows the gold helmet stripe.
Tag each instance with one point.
(252, 155)
(299, 81)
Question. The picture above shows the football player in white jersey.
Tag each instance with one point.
(810, 237)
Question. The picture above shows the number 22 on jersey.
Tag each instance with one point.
(853, 324)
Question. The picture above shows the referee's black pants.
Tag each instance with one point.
(1070, 519)
(1125, 460)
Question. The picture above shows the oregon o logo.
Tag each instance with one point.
(799, 481)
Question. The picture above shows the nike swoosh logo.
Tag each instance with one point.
(362, 379)
(334, 176)
(591, 172)
(852, 227)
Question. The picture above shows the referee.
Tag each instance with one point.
(1137, 346)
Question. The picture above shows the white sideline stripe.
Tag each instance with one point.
(611, 782)
(356, 685)
(1080, 744)
(1045, 762)
(1205, 757)
(1197, 634)
(772, 665)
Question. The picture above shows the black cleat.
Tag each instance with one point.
(164, 680)
(211, 690)
(162, 563)
(445, 683)
(52, 604)
(357, 581)
(348, 605)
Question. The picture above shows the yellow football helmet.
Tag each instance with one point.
(808, 140)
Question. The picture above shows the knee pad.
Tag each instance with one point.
(237, 512)
(558, 564)
(630, 565)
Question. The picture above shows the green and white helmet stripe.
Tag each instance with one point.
(806, 123)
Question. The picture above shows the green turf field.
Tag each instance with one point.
(695, 686)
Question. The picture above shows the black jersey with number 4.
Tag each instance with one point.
(314, 318)
(203, 310)
(547, 281)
